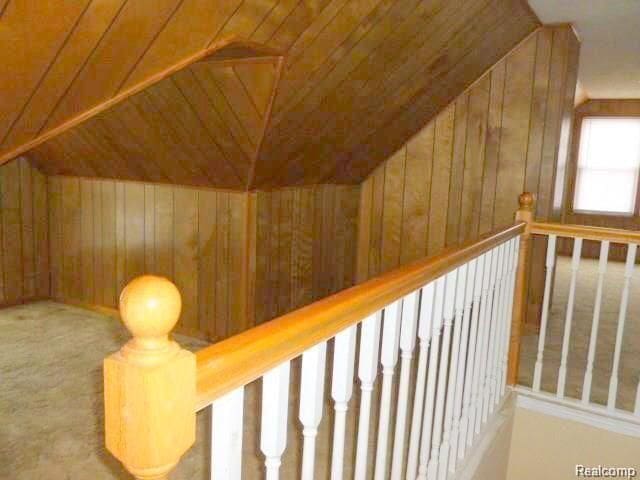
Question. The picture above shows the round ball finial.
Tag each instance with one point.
(150, 307)
(526, 201)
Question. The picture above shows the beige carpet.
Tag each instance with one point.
(581, 329)
(51, 403)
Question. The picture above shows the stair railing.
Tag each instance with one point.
(462, 309)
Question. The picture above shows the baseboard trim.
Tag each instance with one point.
(23, 301)
(617, 421)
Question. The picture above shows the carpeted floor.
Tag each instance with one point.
(629, 373)
(51, 385)
(51, 403)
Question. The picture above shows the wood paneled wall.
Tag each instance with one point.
(24, 256)
(104, 233)
(597, 108)
(237, 258)
(305, 246)
(461, 175)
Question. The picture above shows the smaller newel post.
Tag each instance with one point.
(150, 384)
(524, 214)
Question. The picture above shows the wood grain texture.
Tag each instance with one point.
(237, 258)
(201, 126)
(236, 361)
(464, 170)
(24, 233)
(181, 233)
(395, 62)
(305, 246)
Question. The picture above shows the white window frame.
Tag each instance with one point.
(634, 209)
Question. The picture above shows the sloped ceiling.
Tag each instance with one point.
(237, 94)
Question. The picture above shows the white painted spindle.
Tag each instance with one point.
(311, 403)
(344, 351)
(452, 393)
(407, 344)
(515, 250)
(462, 365)
(427, 421)
(441, 392)
(226, 436)
(544, 320)
(575, 265)
(424, 334)
(275, 403)
(494, 327)
(485, 318)
(595, 323)
(467, 400)
(622, 315)
(367, 372)
(388, 359)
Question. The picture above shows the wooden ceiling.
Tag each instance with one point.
(238, 94)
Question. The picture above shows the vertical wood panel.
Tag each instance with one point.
(284, 251)
(133, 211)
(109, 252)
(27, 228)
(443, 145)
(87, 261)
(222, 262)
(474, 160)
(392, 213)
(11, 232)
(207, 261)
(71, 243)
(494, 136)
(185, 269)
(457, 169)
(364, 229)
(238, 263)
(515, 131)
(41, 233)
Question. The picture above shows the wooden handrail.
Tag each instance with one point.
(587, 232)
(243, 358)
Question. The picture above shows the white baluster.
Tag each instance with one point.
(622, 315)
(595, 323)
(575, 264)
(546, 301)
(434, 357)
(407, 343)
(452, 392)
(496, 386)
(485, 317)
(494, 332)
(441, 396)
(226, 436)
(461, 386)
(367, 372)
(344, 352)
(311, 403)
(424, 334)
(515, 249)
(388, 358)
(275, 403)
(468, 397)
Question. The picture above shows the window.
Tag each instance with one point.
(608, 163)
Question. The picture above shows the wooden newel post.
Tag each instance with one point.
(524, 214)
(150, 384)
